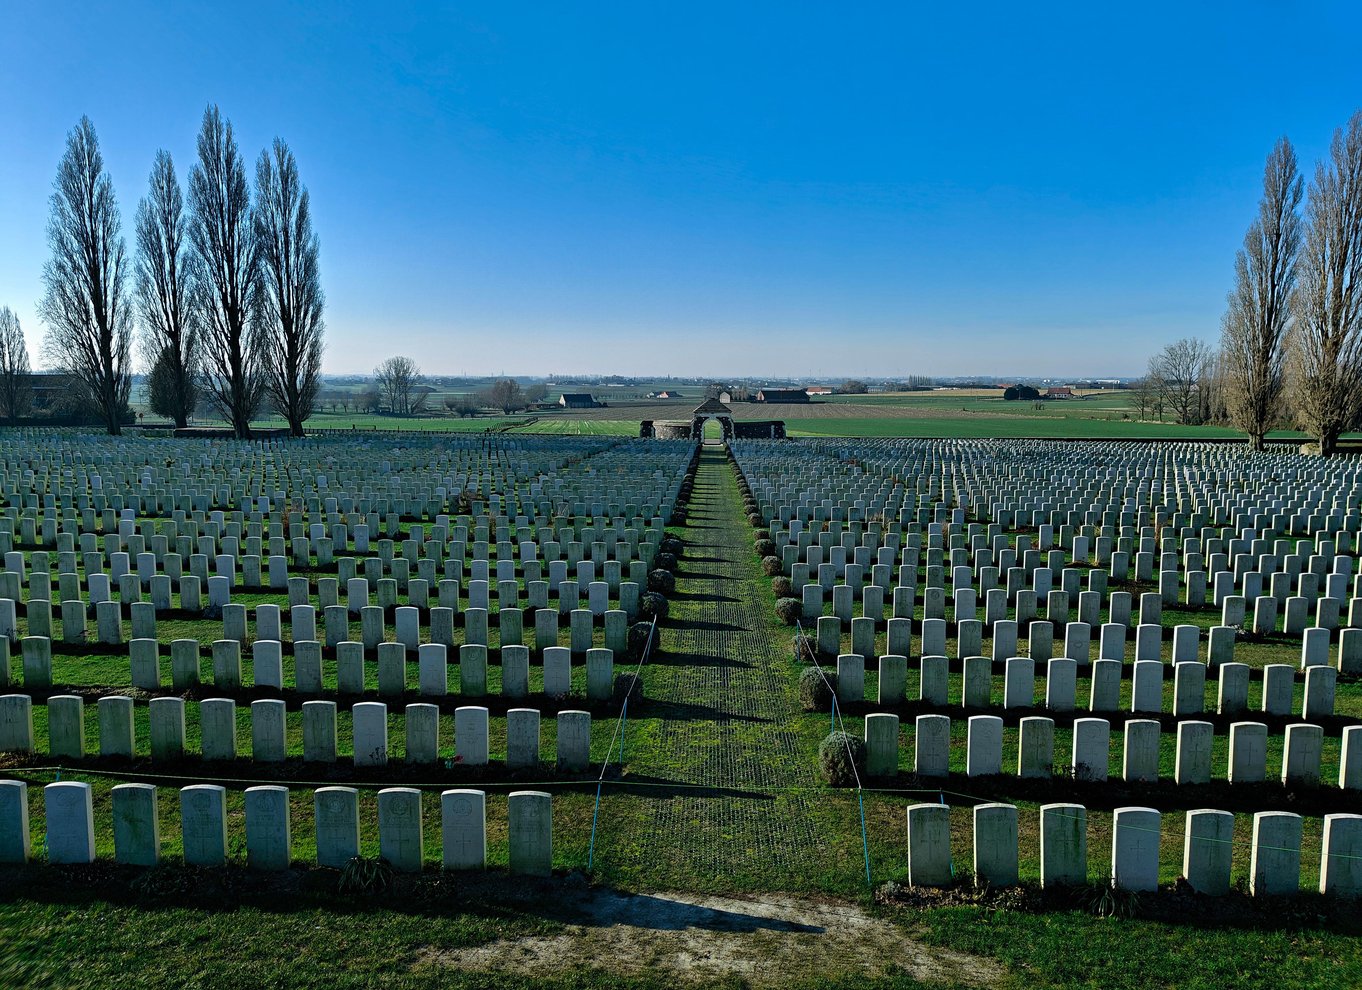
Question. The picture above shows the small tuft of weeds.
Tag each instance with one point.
(364, 876)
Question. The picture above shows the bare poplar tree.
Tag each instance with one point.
(86, 303)
(165, 285)
(1181, 371)
(291, 297)
(16, 394)
(1254, 330)
(227, 282)
(1325, 363)
(397, 379)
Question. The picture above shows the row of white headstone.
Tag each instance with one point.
(217, 719)
(1090, 755)
(1059, 687)
(309, 668)
(69, 826)
(1208, 849)
(411, 622)
(1076, 641)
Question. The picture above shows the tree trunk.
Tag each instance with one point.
(1256, 443)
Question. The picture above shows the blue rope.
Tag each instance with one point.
(865, 843)
(591, 850)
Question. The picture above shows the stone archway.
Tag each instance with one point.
(712, 409)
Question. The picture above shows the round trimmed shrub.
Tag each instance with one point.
(770, 566)
(678, 517)
(837, 763)
(788, 610)
(782, 587)
(755, 519)
(804, 650)
(628, 686)
(665, 561)
(814, 693)
(650, 604)
(663, 581)
(673, 546)
(764, 548)
(638, 639)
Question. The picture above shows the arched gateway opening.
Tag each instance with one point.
(712, 422)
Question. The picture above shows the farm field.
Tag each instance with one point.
(962, 413)
(477, 580)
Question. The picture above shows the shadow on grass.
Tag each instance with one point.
(685, 711)
(705, 625)
(695, 660)
(664, 787)
(493, 895)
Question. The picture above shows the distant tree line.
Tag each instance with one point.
(221, 292)
(1290, 349)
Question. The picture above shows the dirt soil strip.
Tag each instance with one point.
(766, 941)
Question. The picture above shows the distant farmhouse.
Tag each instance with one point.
(782, 395)
(579, 400)
(666, 394)
(1059, 392)
(818, 390)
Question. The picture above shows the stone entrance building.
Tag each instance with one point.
(712, 409)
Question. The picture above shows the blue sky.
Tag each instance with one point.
(726, 189)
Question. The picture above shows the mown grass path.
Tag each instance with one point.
(718, 744)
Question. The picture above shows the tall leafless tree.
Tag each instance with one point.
(292, 298)
(505, 394)
(397, 379)
(16, 394)
(86, 304)
(1325, 360)
(227, 284)
(1255, 327)
(1146, 393)
(165, 286)
(1181, 371)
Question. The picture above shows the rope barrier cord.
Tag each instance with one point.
(618, 731)
(846, 740)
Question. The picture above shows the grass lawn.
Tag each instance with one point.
(713, 791)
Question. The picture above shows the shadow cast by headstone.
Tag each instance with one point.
(685, 711)
(696, 660)
(706, 596)
(648, 911)
(685, 575)
(647, 785)
(706, 625)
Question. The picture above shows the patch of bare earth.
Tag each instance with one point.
(762, 940)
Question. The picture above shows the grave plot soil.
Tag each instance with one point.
(761, 941)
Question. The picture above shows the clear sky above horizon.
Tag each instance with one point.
(723, 189)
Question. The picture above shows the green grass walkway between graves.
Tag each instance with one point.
(717, 789)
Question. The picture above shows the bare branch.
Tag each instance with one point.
(227, 283)
(16, 394)
(1258, 319)
(291, 299)
(1325, 362)
(165, 283)
(86, 305)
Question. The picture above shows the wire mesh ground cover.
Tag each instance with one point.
(731, 797)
